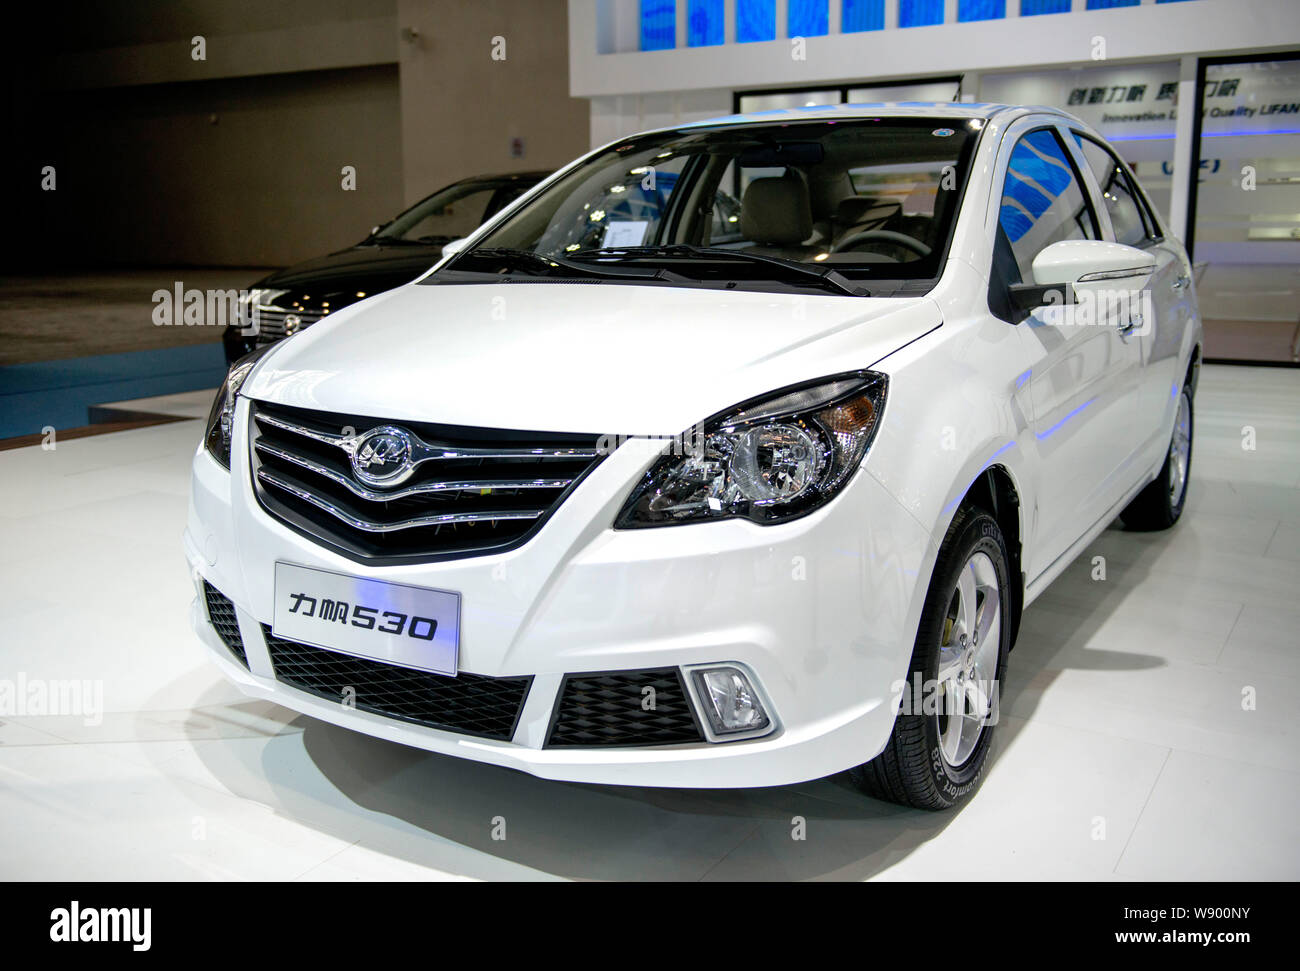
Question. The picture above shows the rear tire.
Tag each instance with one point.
(1159, 505)
(942, 735)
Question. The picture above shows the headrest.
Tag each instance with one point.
(827, 191)
(775, 211)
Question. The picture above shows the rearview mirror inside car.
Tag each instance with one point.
(783, 153)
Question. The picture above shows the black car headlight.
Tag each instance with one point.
(768, 460)
(221, 419)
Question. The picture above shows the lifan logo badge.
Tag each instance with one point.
(383, 457)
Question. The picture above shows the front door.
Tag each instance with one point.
(1084, 378)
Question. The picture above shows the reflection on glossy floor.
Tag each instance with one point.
(1125, 752)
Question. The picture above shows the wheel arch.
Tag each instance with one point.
(994, 490)
(1193, 375)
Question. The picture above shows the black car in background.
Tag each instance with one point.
(395, 253)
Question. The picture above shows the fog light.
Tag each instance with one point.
(730, 702)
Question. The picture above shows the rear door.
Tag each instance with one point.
(1162, 307)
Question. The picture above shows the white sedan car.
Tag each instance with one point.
(728, 456)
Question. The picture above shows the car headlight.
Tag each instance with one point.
(221, 419)
(768, 460)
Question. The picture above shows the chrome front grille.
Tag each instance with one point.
(468, 492)
(274, 325)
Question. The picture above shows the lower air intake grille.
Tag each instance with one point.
(609, 710)
(221, 614)
(468, 704)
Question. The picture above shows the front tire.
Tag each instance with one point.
(942, 735)
(1159, 505)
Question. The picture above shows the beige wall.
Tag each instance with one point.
(235, 172)
(461, 108)
(95, 24)
(236, 161)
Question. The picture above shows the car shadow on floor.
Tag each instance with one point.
(1059, 631)
(591, 832)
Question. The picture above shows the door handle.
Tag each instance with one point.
(1180, 283)
(1133, 323)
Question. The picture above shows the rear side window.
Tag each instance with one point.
(1042, 200)
(1127, 215)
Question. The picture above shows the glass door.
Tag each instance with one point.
(947, 89)
(1245, 206)
(777, 100)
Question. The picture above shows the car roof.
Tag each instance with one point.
(892, 109)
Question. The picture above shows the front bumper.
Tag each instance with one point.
(821, 611)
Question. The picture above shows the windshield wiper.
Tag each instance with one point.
(550, 263)
(826, 276)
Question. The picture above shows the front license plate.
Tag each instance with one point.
(414, 627)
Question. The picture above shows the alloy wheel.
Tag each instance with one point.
(968, 661)
(1180, 450)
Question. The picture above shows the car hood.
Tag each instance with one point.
(400, 263)
(576, 357)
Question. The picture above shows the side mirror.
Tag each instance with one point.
(454, 247)
(1061, 269)
(1093, 261)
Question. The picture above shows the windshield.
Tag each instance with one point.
(454, 212)
(801, 204)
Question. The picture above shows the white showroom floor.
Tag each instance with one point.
(1126, 751)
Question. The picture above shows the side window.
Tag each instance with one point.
(725, 225)
(726, 219)
(1126, 211)
(1042, 200)
(503, 198)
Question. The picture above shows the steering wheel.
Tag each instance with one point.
(882, 236)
